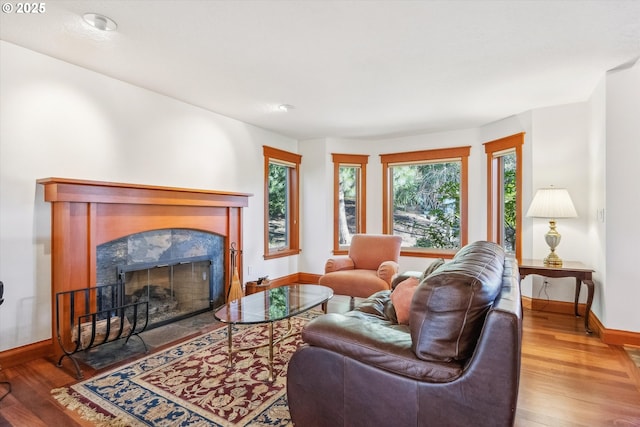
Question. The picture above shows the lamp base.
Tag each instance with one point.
(552, 260)
(553, 240)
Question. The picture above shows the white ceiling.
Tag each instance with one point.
(353, 69)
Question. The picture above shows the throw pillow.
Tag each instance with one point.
(401, 298)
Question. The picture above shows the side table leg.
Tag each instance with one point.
(590, 289)
(575, 304)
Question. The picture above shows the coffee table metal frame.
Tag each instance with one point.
(256, 309)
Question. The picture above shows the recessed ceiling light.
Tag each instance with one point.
(100, 22)
(285, 107)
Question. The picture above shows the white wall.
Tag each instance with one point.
(560, 158)
(622, 291)
(316, 201)
(597, 144)
(65, 121)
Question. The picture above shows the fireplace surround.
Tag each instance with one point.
(86, 214)
(180, 272)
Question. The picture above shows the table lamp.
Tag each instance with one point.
(552, 203)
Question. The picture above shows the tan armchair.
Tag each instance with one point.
(369, 267)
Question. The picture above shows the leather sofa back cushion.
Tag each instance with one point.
(449, 307)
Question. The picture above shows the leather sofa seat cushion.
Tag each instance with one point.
(377, 343)
(449, 307)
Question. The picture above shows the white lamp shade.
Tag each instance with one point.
(552, 203)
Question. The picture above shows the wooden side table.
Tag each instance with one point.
(575, 269)
(253, 287)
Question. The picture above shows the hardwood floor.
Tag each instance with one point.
(567, 379)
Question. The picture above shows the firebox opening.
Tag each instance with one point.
(174, 290)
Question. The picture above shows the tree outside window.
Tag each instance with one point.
(507, 221)
(349, 199)
(281, 202)
(278, 206)
(504, 192)
(426, 205)
(425, 195)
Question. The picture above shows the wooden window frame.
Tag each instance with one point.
(494, 202)
(442, 154)
(293, 160)
(356, 160)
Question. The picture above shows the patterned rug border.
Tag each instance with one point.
(83, 398)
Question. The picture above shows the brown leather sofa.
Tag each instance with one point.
(457, 362)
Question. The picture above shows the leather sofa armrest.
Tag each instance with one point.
(337, 263)
(387, 271)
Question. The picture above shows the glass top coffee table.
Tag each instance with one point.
(270, 306)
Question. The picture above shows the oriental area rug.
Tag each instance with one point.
(190, 384)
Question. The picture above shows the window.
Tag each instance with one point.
(349, 199)
(281, 236)
(425, 200)
(504, 190)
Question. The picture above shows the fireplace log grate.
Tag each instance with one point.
(89, 317)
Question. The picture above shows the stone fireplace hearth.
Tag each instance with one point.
(88, 214)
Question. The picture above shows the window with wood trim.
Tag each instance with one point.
(349, 198)
(504, 192)
(281, 203)
(425, 197)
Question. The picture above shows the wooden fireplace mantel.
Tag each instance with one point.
(76, 190)
(85, 214)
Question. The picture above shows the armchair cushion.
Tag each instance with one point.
(355, 283)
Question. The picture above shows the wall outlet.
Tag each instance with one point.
(250, 270)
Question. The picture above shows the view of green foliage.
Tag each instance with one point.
(278, 191)
(426, 204)
(509, 197)
(347, 202)
(278, 306)
(348, 181)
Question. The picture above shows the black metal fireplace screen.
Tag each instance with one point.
(174, 290)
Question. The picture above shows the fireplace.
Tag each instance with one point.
(174, 291)
(87, 216)
(179, 272)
